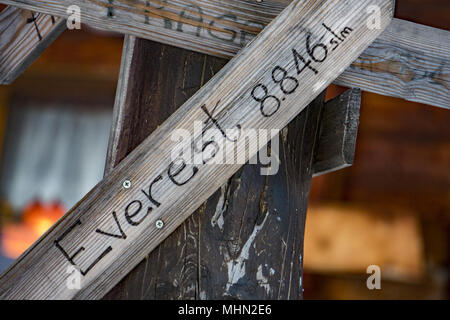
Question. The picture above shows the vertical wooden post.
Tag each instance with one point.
(246, 241)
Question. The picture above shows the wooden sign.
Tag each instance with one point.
(24, 36)
(412, 59)
(225, 234)
(338, 125)
(156, 187)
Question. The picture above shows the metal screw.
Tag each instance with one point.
(159, 224)
(127, 184)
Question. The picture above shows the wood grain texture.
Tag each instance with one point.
(247, 227)
(193, 261)
(338, 126)
(24, 35)
(163, 188)
(408, 60)
(122, 107)
(338, 132)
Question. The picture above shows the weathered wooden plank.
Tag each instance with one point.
(114, 227)
(219, 28)
(338, 132)
(408, 60)
(177, 74)
(122, 115)
(195, 261)
(24, 35)
(338, 127)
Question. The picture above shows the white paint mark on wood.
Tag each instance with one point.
(236, 267)
(272, 271)
(262, 280)
(217, 218)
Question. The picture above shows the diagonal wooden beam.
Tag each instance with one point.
(153, 190)
(192, 261)
(409, 60)
(24, 36)
(338, 125)
(195, 260)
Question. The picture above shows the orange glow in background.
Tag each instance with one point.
(37, 218)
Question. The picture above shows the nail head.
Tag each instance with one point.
(127, 184)
(159, 224)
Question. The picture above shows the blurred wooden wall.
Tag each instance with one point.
(398, 190)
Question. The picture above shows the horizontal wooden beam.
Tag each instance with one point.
(24, 36)
(155, 188)
(217, 238)
(409, 60)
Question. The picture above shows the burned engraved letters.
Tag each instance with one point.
(206, 147)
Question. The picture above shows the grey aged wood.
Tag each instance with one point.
(123, 110)
(408, 60)
(246, 229)
(338, 132)
(338, 126)
(194, 261)
(113, 228)
(24, 35)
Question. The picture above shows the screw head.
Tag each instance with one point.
(126, 184)
(159, 224)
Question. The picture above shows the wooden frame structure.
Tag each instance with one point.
(408, 60)
(321, 135)
(191, 262)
